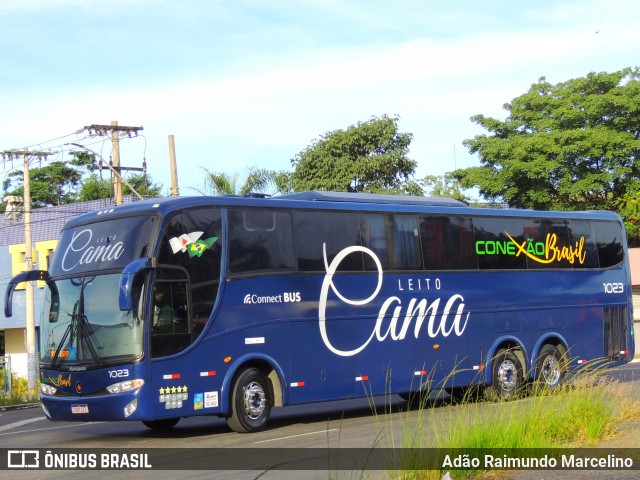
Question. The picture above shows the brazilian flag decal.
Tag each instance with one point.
(197, 248)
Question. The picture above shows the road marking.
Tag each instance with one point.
(75, 425)
(20, 423)
(298, 435)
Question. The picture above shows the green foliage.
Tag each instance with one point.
(60, 183)
(588, 409)
(445, 186)
(94, 188)
(84, 160)
(258, 180)
(570, 146)
(52, 184)
(629, 208)
(370, 157)
(20, 393)
(143, 184)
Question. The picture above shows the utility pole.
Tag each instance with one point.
(32, 374)
(115, 130)
(175, 191)
(113, 170)
(115, 158)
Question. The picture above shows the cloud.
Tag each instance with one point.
(263, 109)
(96, 6)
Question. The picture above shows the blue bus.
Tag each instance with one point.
(230, 306)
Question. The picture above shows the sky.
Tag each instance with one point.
(250, 83)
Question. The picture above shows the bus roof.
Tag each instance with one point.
(322, 200)
(316, 196)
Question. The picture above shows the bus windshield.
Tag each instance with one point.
(81, 325)
(100, 246)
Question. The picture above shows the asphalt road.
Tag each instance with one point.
(350, 424)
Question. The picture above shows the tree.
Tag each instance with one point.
(570, 146)
(52, 184)
(143, 184)
(258, 180)
(95, 187)
(370, 156)
(59, 183)
(445, 186)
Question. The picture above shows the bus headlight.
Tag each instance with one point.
(127, 386)
(47, 389)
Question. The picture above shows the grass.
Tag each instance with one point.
(19, 391)
(588, 409)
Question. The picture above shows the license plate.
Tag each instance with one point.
(83, 408)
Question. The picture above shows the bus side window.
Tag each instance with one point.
(260, 240)
(432, 234)
(331, 231)
(447, 243)
(373, 234)
(170, 332)
(541, 232)
(406, 243)
(609, 238)
(190, 256)
(495, 245)
(581, 235)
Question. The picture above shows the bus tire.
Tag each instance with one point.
(550, 367)
(164, 424)
(507, 375)
(251, 402)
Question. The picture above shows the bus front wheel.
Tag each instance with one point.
(251, 402)
(507, 376)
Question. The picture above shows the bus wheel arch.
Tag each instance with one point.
(506, 372)
(254, 390)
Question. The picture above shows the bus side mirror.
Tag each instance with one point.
(27, 276)
(125, 296)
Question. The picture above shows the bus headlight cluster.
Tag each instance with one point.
(47, 389)
(127, 386)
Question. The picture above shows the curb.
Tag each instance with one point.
(6, 408)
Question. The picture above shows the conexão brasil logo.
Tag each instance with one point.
(541, 252)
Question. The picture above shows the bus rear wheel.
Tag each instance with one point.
(507, 376)
(251, 402)
(164, 424)
(550, 367)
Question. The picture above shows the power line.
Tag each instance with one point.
(115, 131)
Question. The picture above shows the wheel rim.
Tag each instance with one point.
(507, 376)
(551, 372)
(255, 400)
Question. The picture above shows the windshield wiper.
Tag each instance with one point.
(85, 330)
(67, 333)
(79, 324)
